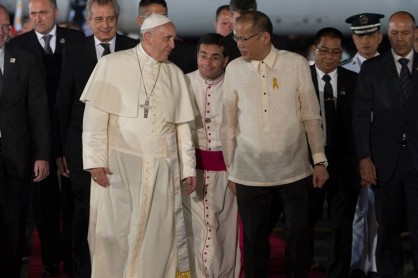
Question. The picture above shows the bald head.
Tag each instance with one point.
(401, 32)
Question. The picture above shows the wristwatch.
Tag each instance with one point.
(322, 163)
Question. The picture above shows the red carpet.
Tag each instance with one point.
(276, 262)
(35, 261)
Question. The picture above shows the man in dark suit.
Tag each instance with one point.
(46, 41)
(387, 146)
(79, 61)
(334, 86)
(24, 144)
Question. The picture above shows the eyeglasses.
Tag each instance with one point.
(324, 51)
(6, 27)
(109, 19)
(244, 39)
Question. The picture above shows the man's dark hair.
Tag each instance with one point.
(143, 4)
(214, 39)
(329, 32)
(241, 6)
(220, 9)
(260, 21)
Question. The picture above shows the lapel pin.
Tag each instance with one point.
(12, 60)
(62, 41)
(342, 92)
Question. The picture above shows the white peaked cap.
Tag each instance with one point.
(154, 20)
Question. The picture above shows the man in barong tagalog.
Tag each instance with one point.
(137, 146)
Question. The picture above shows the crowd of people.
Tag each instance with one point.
(155, 158)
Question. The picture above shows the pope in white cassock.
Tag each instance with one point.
(137, 145)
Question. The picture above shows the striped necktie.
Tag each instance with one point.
(106, 47)
(404, 77)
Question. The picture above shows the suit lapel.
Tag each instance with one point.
(9, 70)
(118, 45)
(414, 76)
(315, 79)
(90, 53)
(343, 83)
(33, 40)
(60, 40)
(392, 74)
(413, 86)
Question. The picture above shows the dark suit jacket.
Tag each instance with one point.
(344, 145)
(79, 61)
(50, 66)
(379, 91)
(24, 120)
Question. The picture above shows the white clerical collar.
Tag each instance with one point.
(210, 82)
(142, 52)
(52, 32)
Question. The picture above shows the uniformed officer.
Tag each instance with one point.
(366, 37)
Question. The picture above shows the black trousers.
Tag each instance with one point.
(394, 198)
(67, 216)
(80, 182)
(14, 202)
(255, 207)
(45, 198)
(341, 193)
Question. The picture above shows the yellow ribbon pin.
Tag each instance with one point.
(275, 84)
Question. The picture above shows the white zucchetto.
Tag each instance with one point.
(154, 20)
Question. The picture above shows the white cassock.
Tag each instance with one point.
(132, 228)
(211, 211)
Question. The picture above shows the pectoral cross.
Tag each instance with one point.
(146, 107)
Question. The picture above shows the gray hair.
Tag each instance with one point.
(102, 3)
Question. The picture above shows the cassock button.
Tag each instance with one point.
(208, 120)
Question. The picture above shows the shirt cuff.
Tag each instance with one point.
(319, 157)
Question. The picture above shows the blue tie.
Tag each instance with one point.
(404, 77)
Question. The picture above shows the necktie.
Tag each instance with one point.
(47, 47)
(329, 105)
(106, 48)
(404, 77)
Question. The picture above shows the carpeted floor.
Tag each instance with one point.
(276, 262)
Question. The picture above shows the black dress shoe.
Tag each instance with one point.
(357, 273)
(51, 270)
(372, 274)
